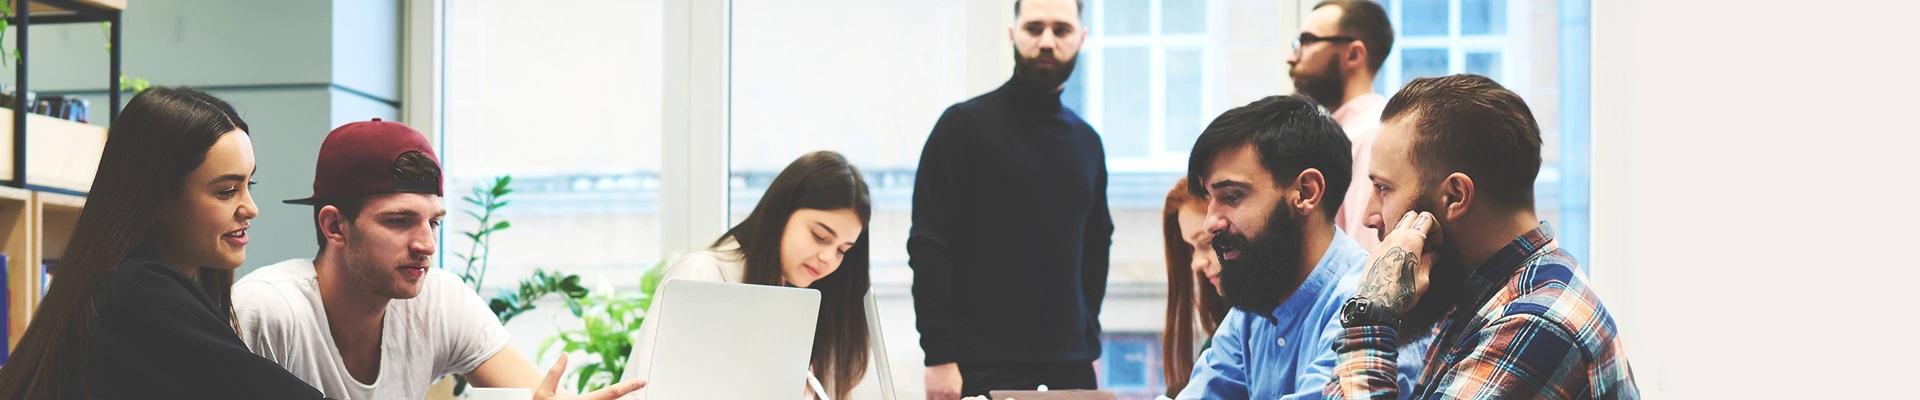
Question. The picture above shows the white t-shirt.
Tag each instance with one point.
(446, 329)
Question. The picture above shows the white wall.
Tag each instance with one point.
(1753, 192)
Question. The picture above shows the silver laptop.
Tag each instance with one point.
(731, 341)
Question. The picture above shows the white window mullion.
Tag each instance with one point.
(1156, 82)
(1456, 59)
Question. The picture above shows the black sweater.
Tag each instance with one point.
(1010, 232)
(161, 337)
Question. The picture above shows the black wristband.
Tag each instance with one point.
(1362, 311)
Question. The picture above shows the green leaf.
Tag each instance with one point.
(581, 384)
(503, 225)
(500, 184)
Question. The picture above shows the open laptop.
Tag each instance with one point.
(731, 341)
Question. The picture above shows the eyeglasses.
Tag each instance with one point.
(1308, 38)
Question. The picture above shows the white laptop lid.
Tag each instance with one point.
(731, 341)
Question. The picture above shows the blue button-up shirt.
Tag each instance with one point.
(1288, 353)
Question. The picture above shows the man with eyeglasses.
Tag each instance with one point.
(1341, 46)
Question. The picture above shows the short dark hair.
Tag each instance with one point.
(411, 166)
(1367, 21)
(1470, 124)
(1290, 133)
(1079, 8)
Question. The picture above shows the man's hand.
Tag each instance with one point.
(549, 388)
(1397, 274)
(943, 382)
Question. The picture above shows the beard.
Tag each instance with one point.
(1328, 88)
(1267, 270)
(1032, 73)
(1445, 281)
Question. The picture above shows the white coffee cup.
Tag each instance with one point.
(477, 393)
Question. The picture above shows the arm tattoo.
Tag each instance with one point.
(1390, 279)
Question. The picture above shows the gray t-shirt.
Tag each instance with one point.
(446, 329)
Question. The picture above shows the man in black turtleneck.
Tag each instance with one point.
(1010, 226)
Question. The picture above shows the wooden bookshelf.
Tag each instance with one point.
(59, 214)
(38, 211)
(17, 234)
(61, 154)
(38, 227)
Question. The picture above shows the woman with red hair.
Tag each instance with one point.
(1194, 305)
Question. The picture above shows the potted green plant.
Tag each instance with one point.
(609, 320)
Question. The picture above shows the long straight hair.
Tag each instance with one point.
(163, 134)
(1187, 294)
(821, 180)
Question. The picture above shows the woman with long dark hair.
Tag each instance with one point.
(1194, 305)
(809, 231)
(140, 309)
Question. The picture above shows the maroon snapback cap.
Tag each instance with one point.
(356, 160)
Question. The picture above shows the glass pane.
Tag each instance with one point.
(1125, 361)
(575, 122)
(1183, 16)
(779, 80)
(1125, 17)
(1574, 82)
(600, 201)
(1415, 63)
(1183, 99)
(1124, 117)
(1483, 17)
(1485, 64)
(1424, 17)
(1074, 95)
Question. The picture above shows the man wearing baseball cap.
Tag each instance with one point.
(368, 317)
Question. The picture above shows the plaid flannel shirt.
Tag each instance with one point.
(1524, 327)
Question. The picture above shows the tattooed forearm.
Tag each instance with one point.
(1390, 279)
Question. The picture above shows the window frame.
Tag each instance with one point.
(1158, 44)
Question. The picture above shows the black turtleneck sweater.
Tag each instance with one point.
(1010, 232)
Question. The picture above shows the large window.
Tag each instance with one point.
(574, 121)
(565, 97)
(1142, 81)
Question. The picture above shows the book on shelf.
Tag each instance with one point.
(6, 292)
(46, 275)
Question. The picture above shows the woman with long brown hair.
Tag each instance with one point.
(1194, 305)
(808, 231)
(140, 309)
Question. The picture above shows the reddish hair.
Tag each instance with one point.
(1188, 294)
